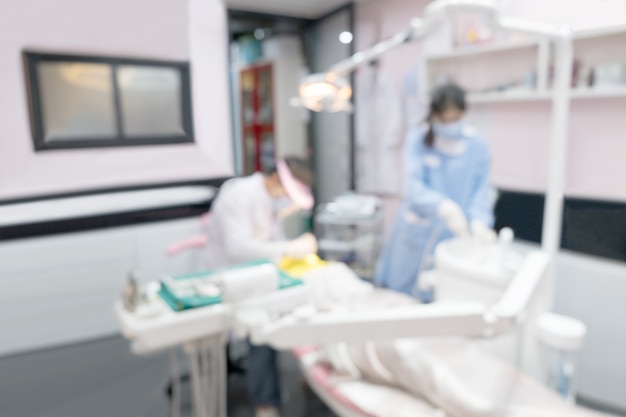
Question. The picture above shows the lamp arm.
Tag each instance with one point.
(368, 55)
(434, 16)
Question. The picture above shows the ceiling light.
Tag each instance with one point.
(346, 37)
(259, 34)
(325, 92)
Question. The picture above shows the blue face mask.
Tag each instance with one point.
(452, 130)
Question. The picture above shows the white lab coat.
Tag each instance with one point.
(243, 226)
(379, 133)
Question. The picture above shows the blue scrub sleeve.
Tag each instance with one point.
(481, 205)
(421, 199)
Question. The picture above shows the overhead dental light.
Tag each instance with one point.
(331, 91)
(325, 92)
(320, 97)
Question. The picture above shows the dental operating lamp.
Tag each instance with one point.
(330, 91)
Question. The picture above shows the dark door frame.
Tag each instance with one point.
(308, 24)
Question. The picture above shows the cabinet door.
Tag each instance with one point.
(267, 145)
(257, 118)
(266, 102)
(249, 106)
(249, 152)
(268, 149)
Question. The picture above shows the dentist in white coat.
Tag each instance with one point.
(246, 225)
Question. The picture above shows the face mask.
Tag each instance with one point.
(284, 207)
(452, 130)
(279, 204)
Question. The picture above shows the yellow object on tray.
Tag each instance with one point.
(297, 268)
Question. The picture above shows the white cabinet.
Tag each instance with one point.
(61, 289)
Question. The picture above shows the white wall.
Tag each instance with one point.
(61, 289)
(162, 29)
(67, 295)
(594, 290)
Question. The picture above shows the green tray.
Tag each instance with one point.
(186, 303)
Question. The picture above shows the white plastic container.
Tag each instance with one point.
(561, 337)
(468, 270)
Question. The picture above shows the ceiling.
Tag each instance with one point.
(309, 9)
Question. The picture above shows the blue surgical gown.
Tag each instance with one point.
(432, 176)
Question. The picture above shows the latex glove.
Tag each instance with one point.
(482, 232)
(301, 247)
(453, 216)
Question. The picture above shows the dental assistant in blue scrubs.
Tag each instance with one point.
(447, 191)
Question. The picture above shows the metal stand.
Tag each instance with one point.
(207, 358)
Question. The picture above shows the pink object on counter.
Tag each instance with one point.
(194, 242)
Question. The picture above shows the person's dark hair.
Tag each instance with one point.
(300, 169)
(443, 98)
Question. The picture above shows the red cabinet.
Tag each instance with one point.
(257, 114)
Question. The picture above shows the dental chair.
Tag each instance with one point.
(374, 353)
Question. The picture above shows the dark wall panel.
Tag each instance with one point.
(589, 226)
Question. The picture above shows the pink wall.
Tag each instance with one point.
(140, 28)
(598, 150)
(378, 20)
(519, 132)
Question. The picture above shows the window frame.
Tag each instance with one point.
(31, 60)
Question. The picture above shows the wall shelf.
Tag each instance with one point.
(527, 96)
(599, 33)
(513, 96)
(531, 55)
(482, 49)
(443, 64)
(599, 92)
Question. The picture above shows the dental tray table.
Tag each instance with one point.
(169, 321)
(179, 301)
(196, 312)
